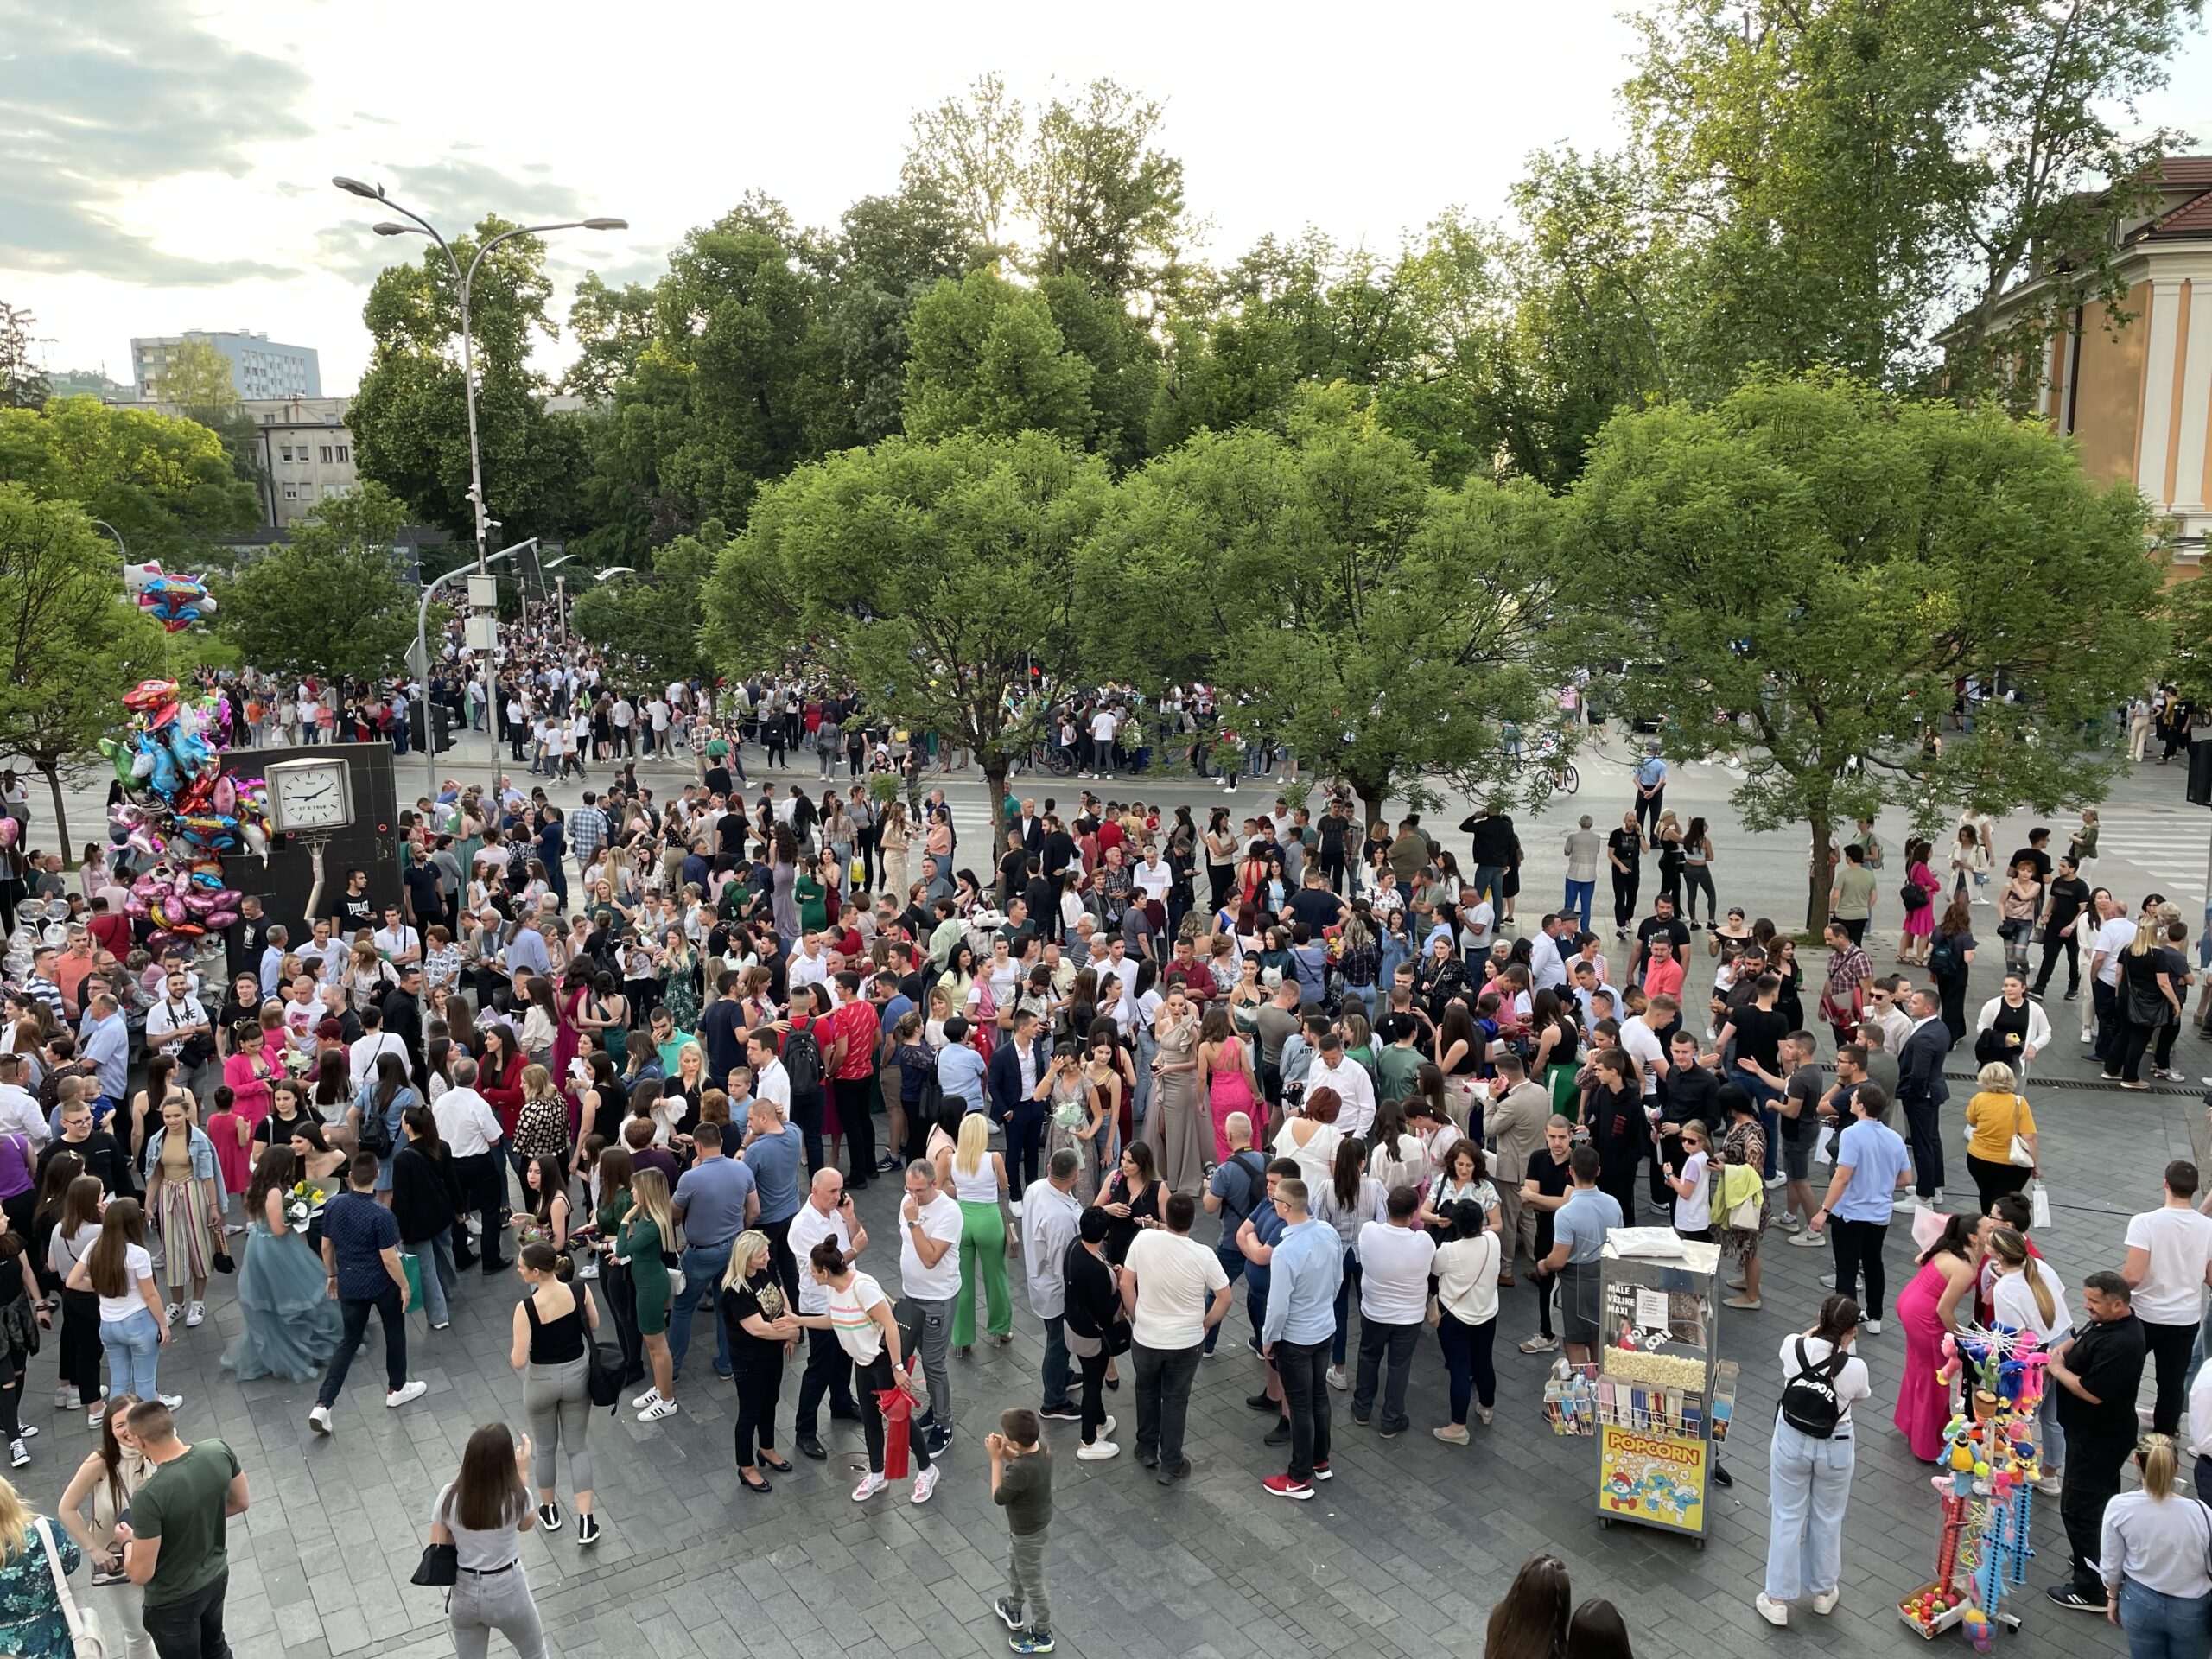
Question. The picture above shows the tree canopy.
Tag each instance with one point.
(167, 484)
(330, 601)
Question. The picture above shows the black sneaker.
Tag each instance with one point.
(1062, 1414)
(2067, 1596)
(1035, 1639)
(1280, 1434)
(586, 1530)
(1261, 1402)
(549, 1516)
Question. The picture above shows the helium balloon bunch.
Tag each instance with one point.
(181, 813)
(175, 601)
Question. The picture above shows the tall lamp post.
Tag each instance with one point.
(467, 280)
(423, 656)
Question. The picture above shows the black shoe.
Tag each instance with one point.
(2073, 996)
(464, 1262)
(1721, 1475)
(1168, 1474)
(497, 1264)
(1261, 1402)
(1361, 1421)
(844, 1413)
(1062, 1414)
(2067, 1596)
(1149, 1459)
(769, 1460)
(810, 1448)
(762, 1487)
(1279, 1435)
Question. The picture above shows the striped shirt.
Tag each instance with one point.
(849, 1317)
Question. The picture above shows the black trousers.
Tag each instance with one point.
(780, 1259)
(1623, 898)
(873, 1378)
(483, 1180)
(2171, 1346)
(2052, 946)
(1093, 1395)
(80, 1343)
(856, 1099)
(190, 1627)
(807, 1112)
(829, 1371)
(2093, 1469)
(1857, 1246)
(1304, 1369)
(1924, 1134)
(1649, 809)
(758, 1387)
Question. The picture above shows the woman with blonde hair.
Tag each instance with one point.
(1997, 1118)
(2157, 1567)
(977, 1177)
(30, 1596)
(2025, 1294)
(763, 1329)
(106, 1479)
(642, 1240)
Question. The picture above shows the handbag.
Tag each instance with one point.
(2019, 1152)
(603, 1380)
(440, 1565)
(84, 1642)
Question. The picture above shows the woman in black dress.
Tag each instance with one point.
(763, 1330)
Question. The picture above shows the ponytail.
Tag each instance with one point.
(1840, 1317)
(2154, 1456)
(2011, 1248)
(540, 1257)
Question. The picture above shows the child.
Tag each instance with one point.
(1021, 1484)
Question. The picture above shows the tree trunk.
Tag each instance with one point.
(1821, 888)
(60, 813)
(995, 776)
(1371, 793)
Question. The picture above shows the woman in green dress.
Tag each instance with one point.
(641, 1237)
(679, 979)
(812, 897)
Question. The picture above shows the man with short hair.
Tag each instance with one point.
(104, 1043)
(1579, 1230)
(929, 1225)
(105, 1160)
(715, 1200)
(1306, 1268)
(178, 1026)
(2065, 903)
(828, 1213)
(1174, 1291)
(2115, 933)
(1333, 1069)
(176, 1540)
(1843, 996)
(360, 1252)
(2168, 1265)
(2098, 1372)
(1519, 1108)
(1395, 1258)
(1923, 1092)
(1852, 894)
(470, 1129)
(1050, 1222)
(848, 1069)
(1870, 1164)
(771, 1082)
(961, 1072)
(771, 1151)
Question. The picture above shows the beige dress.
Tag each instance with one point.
(1177, 1126)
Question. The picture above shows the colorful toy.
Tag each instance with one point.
(176, 601)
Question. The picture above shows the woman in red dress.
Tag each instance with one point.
(1929, 1311)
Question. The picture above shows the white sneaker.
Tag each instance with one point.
(172, 1400)
(65, 1399)
(318, 1419)
(1873, 1327)
(658, 1409)
(94, 1413)
(1938, 1198)
(2050, 1485)
(1773, 1181)
(1806, 1241)
(1106, 1429)
(1098, 1452)
(868, 1488)
(194, 1314)
(18, 1454)
(1775, 1613)
(1014, 1205)
(1337, 1377)
(646, 1401)
(1825, 1605)
(173, 1310)
(28, 1432)
(399, 1396)
(924, 1484)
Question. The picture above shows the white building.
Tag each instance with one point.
(260, 367)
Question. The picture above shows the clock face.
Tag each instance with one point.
(311, 795)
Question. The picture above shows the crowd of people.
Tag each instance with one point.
(641, 1053)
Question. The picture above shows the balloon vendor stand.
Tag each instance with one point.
(1986, 1483)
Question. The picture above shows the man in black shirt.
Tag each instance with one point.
(102, 1157)
(1316, 903)
(1491, 850)
(246, 937)
(1757, 1031)
(1662, 919)
(2097, 1371)
(1549, 1179)
(1624, 854)
(1690, 1094)
(1059, 853)
(1335, 828)
(2064, 902)
(2035, 853)
(351, 910)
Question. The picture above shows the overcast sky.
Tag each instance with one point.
(165, 165)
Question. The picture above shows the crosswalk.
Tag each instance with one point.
(2167, 846)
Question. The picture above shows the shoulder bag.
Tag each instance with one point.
(84, 1642)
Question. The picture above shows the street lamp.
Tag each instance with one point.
(466, 279)
(117, 534)
(422, 657)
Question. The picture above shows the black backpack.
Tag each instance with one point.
(375, 1131)
(803, 1060)
(1809, 1402)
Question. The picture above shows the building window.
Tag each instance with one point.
(345, 454)
(291, 491)
(284, 452)
(326, 454)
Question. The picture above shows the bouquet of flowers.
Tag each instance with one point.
(303, 1203)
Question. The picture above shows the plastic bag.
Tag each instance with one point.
(2038, 1205)
(1927, 1225)
(1824, 1148)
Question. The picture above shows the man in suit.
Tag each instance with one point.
(1058, 850)
(1027, 829)
(1016, 1066)
(1921, 1091)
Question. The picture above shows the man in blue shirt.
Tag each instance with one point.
(1579, 1230)
(771, 1153)
(1303, 1270)
(1651, 790)
(104, 1045)
(1871, 1162)
(1255, 1239)
(360, 1252)
(715, 1200)
(960, 1069)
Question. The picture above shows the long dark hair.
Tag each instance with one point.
(122, 1223)
(488, 1492)
(275, 1169)
(1597, 1630)
(1960, 1235)
(1529, 1621)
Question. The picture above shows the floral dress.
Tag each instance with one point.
(31, 1610)
(1744, 1145)
(679, 992)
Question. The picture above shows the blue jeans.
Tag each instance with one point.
(2160, 1626)
(1809, 1487)
(1056, 1361)
(1141, 1097)
(134, 1351)
(1347, 1288)
(1232, 1263)
(439, 1276)
(1578, 900)
(1467, 1350)
(1379, 1342)
(1487, 876)
(704, 1266)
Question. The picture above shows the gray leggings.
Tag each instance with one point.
(560, 1407)
(478, 1605)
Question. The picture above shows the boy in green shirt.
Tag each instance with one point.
(1021, 1484)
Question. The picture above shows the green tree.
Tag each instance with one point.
(932, 577)
(1800, 575)
(1337, 599)
(409, 418)
(164, 483)
(197, 377)
(988, 358)
(70, 642)
(329, 601)
(971, 153)
(654, 615)
(614, 326)
(24, 384)
(1107, 206)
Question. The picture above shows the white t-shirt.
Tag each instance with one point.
(138, 1264)
(1394, 1264)
(2013, 1299)
(1850, 1382)
(1153, 879)
(809, 1227)
(1466, 1278)
(2114, 937)
(1177, 1277)
(1694, 1214)
(858, 1334)
(1644, 1048)
(1102, 726)
(773, 1083)
(941, 1218)
(2180, 1245)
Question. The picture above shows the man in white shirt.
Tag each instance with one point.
(1050, 1222)
(2168, 1264)
(1103, 727)
(827, 1213)
(19, 1112)
(1642, 1042)
(620, 717)
(372, 1045)
(1333, 1069)
(2114, 934)
(929, 1225)
(810, 966)
(1153, 877)
(175, 1020)
(1394, 1262)
(1547, 967)
(771, 1083)
(395, 941)
(1174, 1290)
(470, 1129)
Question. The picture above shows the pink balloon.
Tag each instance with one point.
(9, 830)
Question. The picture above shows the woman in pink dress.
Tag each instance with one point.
(1225, 1066)
(1928, 1312)
(1919, 919)
(246, 1072)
